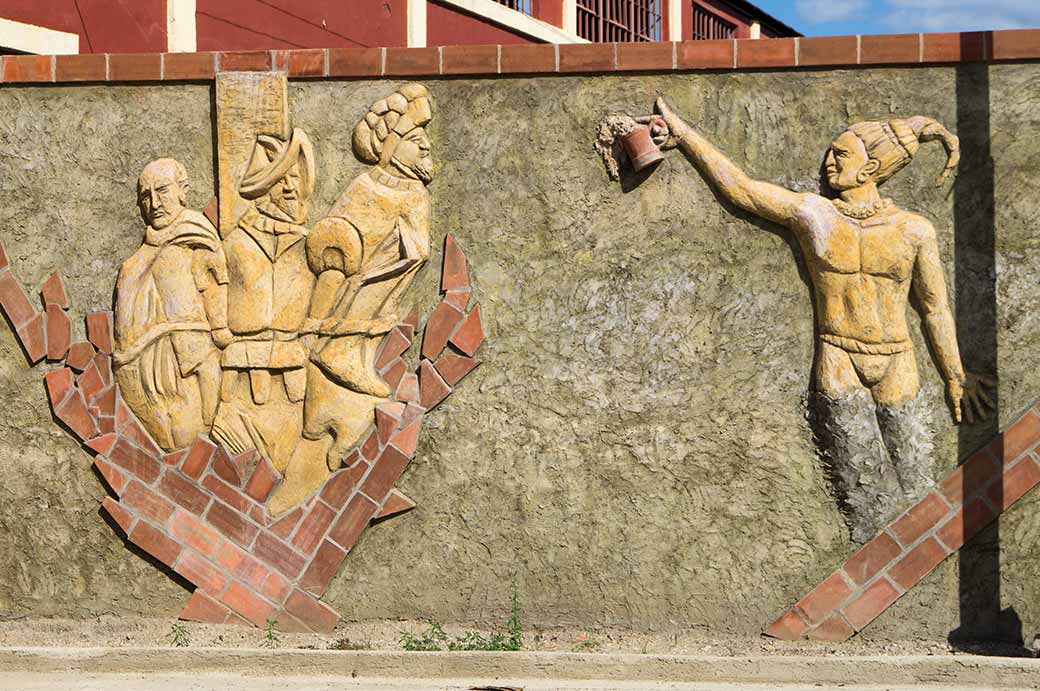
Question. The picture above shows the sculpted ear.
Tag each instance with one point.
(869, 168)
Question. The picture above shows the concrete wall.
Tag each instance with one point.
(634, 450)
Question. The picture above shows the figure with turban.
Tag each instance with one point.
(864, 256)
(170, 294)
(269, 294)
(365, 253)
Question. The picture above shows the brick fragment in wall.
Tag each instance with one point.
(99, 330)
(439, 328)
(53, 292)
(454, 367)
(470, 334)
(454, 273)
(396, 503)
(407, 438)
(59, 332)
(80, 355)
(408, 389)
(203, 608)
(32, 335)
(394, 344)
(432, 388)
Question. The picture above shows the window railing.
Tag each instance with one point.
(604, 21)
(523, 6)
(709, 26)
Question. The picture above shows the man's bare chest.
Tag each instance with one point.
(881, 249)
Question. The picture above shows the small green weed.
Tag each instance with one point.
(347, 644)
(271, 637)
(435, 638)
(179, 637)
(431, 639)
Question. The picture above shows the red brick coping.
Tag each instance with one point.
(200, 511)
(822, 51)
(906, 551)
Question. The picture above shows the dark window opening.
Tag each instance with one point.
(709, 26)
(606, 21)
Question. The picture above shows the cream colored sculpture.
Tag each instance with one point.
(170, 294)
(365, 254)
(864, 256)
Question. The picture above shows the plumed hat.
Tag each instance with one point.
(272, 159)
(895, 143)
(399, 113)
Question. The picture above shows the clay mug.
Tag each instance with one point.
(640, 147)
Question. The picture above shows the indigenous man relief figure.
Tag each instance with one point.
(169, 295)
(864, 256)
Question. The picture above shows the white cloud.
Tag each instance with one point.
(960, 15)
(819, 11)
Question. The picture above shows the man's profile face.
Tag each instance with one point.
(287, 197)
(845, 159)
(160, 196)
(412, 155)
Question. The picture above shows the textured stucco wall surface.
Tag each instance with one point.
(634, 450)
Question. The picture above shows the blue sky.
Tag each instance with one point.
(840, 17)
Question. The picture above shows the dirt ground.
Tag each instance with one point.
(117, 632)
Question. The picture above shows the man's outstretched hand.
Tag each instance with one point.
(970, 399)
(666, 128)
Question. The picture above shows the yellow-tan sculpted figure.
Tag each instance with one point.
(269, 293)
(169, 295)
(365, 254)
(864, 256)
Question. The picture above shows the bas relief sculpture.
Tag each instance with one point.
(265, 335)
(864, 256)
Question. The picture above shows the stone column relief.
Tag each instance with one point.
(864, 257)
(248, 402)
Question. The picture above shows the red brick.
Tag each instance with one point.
(73, 412)
(313, 528)
(459, 298)
(195, 534)
(825, 598)
(201, 607)
(355, 62)
(412, 319)
(439, 328)
(396, 503)
(775, 52)
(245, 61)
(123, 518)
(231, 523)
(469, 59)
(155, 542)
(318, 616)
(882, 49)
(53, 291)
(280, 60)
(147, 502)
(1021, 436)
(412, 62)
(871, 602)
(284, 526)
(789, 627)
(103, 362)
(113, 477)
(453, 368)
(89, 381)
(917, 564)
(470, 333)
(227, 494)
(342, 484)
(226, 468)
(33, 338)
(129, 427)
(976, 472)
(587, 57)
(531, 58)
(393, 345)
(59, 383)
(651, 55)
(871, 558)
(137, 67)
(385, 472)
(964, 524)
(276, 588)
(833, 630)
(59, 333)
(827, 50)
(243, 566)
(105, 400)
(408, 389)
(107, 424)
(178, 66)
(279, 555)
(99, 330)
(921, 518)
(322, 568)
(1016, 44)
(406, 439)
(201, 572)
(14, 301)
(248, 604)
(103, 444)
(388, 419)
(432, 389)
(1018, 480)
(80, 68)
(393, 373)
(352, 521)
(969, 46)
(174, 458)
(28, 68)
(211, 212)
(307, 63)
(263, 480)
(370, 447)
(198, 457)
(80, 355)
(705, 54)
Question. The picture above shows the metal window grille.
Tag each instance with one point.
(523, 6)
(708, 25)
(605, 21)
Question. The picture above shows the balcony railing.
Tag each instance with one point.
(619, 20)
(708, 25)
